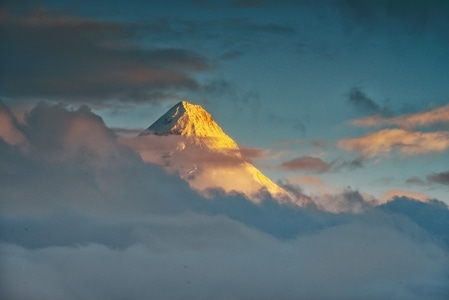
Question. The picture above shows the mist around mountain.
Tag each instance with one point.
(188, 141)
(86, 215)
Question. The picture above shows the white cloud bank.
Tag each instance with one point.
(83, 217)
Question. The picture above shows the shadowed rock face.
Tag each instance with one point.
(204, 155)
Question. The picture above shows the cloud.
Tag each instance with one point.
(393, 194)
(346, 201)
(442, 178)
(432, 216)
(205, 168)
(74, 228)
(306, 163)
(84, 59)
(8, 127)
(72, 159)
(352, 164)
(405, 142)
(415, 181)
(56, 133)
(438, 115)
(434, 178)
(313, 192)
(218, 258)
(416, 17)
(363, 103)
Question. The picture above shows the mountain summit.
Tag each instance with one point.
(191, 121)
(192, 144)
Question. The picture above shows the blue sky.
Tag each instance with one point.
(290, 73)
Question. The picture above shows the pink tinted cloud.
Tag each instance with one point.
(405, 142)
(55, 133)
(8, 128)
(390, 195)
(306, 163)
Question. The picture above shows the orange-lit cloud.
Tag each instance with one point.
(404, 141)
(390, 195)
(435, 116)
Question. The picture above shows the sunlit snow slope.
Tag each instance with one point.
(207, 158)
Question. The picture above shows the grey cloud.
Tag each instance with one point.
(52, 55)
(77, 229)
(352, 164)
(364, 104)
(306, 163)
(415, 181)
(432, 217)
(317, 165)
(416, 17)
(72, 159)
(64, 57)
(349, 201)
(442, 178)
(223, 259)
(434, 178)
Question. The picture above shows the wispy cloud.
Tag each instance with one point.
(404, 139)
(416, 17)
(442, 178)
(364, 104)
(438, 115)
(9, 131)
(65, 57)
(306, 163)
(405, 142)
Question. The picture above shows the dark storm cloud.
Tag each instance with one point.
(442, 178)
(364, 104)
(53, 55)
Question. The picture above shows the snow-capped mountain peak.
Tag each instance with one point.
(192, 121)
(204, 155)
